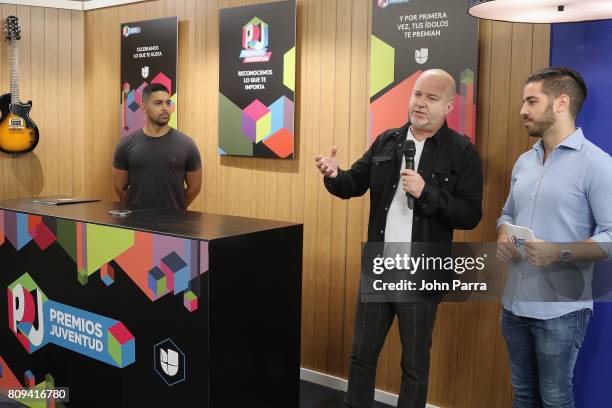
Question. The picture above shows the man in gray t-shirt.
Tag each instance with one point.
(157, 166)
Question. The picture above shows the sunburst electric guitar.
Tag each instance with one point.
(18, 133)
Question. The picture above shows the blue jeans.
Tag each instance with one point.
(542, 357)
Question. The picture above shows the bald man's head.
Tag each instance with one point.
(432, 99)
(441, 79)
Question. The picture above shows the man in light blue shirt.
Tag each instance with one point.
(561, 190)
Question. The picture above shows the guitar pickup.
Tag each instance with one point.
(16, 124)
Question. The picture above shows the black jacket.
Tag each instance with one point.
(451, 199)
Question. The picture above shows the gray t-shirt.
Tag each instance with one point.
(156, 168)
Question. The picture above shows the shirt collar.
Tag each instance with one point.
(437, 137)
(574, 141)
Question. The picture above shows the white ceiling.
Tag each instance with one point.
(71, 4)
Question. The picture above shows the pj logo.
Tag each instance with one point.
(37, 321)
(26, 313)
(255, 37)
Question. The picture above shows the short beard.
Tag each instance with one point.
(541, 126)
(160, 122)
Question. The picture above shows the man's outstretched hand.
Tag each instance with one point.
(328, 165)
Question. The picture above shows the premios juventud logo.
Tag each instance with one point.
(255, 42)
(37, 321)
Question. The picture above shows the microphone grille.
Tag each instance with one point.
(409, 148)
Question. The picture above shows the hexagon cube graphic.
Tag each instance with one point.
(121, 345)
(281, 143)
(169, 362)
(131, 101)
(42, 235)
(157, 281)
(16, 229)
(190, 301)
(282, 115)
(161, 78)
(176, 272)
(29, 379)
(138, 96)
(107, 274)
(382, 71)
(256, 121)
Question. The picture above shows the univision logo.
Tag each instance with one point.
(169, 362)
(127, 31)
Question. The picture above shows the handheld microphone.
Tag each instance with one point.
(409, 152)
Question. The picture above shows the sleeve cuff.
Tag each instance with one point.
(331, 182)
(429, 192)
(503, 219)
(604, 240)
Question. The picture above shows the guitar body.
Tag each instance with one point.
(18, 133)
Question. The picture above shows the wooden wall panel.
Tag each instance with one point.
(70, 68)
(51, 71)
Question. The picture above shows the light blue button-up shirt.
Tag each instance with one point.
(568, 198)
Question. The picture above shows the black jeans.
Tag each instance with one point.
(372, 322)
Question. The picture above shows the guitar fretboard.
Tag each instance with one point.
(14, 60)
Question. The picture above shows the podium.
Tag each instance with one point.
(158, 308)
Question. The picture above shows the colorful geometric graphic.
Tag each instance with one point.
(382, 65)
(42, 230)
(282, 115)
(149, 55)
(132, 117)
(256, 100)
(280, 143)
(158, 283)
(190, 300)
(176, 272)
(107, 274)
(16, 229)
(289, 69)
(256, 121)
(157, 264)
(390, 110)
(121, 344)
(37, 321)
(412, 37)
(273, 126)
(29, 379)
(467, 108)
(9, 381)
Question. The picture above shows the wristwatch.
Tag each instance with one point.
(565, 255)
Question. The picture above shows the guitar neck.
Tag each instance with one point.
(14, 60)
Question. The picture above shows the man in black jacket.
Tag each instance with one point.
(447, 192)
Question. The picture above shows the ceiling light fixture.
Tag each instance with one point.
(541, 11)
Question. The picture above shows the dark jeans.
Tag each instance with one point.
(542, 357)
(372, 322)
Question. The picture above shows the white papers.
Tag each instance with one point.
(518, 236)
